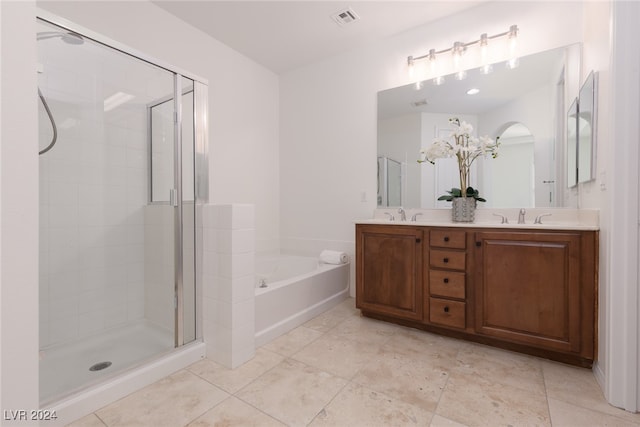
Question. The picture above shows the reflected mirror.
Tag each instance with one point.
(526, 106)
(586, 129)
(572, 144)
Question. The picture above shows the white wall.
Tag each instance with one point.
(19, 215)
(328, 113)
(615, 190)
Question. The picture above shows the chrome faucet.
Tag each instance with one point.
(403, 214)
(539, 218)
(521, 216)
(503, 219)
(414, 217)
(391, 218)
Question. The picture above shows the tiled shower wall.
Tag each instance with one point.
(93, 187)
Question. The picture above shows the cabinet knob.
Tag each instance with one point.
(446, 308)
(446, 238)
(446, 280)
(445, 260)
(418, 240)
(478, 244)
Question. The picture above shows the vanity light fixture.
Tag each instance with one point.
(513, 44)
(484, 54)
(459, 48)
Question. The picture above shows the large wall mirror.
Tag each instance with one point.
(526, 107)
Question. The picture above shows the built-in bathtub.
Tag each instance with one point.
(291, 290)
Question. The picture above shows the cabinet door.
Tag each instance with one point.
(529, 288)
(389, 270)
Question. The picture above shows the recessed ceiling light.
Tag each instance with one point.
(473, 91)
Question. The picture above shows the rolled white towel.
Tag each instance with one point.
(333, 257)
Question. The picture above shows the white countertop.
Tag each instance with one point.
(560, 219)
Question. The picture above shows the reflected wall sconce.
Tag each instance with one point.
(458, 50)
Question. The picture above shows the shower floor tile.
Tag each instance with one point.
(65, 368)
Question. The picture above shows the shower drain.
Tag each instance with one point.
(100, 366)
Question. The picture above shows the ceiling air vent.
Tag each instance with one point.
(419, 103)
(345, 16)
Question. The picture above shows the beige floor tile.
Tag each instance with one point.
(475, 401)
(234, 412)
(567, 415)
(172, 401)
(337, 355)
(331, 318)
(439, 421)
(90, 420)
(292, 392)
(416, 344)
(414, 380)
(293, 341)
(365, 330)
(359, 406)
(579, 387)
(501, 366)
(232, 380)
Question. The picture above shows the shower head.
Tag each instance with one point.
(72, 38)
(69, 38)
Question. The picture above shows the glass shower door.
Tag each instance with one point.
(116, 229)
(173, 192)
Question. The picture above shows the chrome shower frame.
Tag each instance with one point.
(200, 158)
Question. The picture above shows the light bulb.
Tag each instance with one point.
(411, 65)
(484, 54)
(513, 44)
(458, 50)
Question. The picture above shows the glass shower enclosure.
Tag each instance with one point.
(122, 169)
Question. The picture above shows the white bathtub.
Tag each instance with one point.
(297, 289)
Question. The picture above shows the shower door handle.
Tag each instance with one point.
(173, 197)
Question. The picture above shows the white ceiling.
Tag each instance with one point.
(285, 35)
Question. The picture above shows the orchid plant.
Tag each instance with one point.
(466, 148)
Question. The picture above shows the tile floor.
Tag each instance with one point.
(341, 369)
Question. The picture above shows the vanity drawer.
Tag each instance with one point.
(447, 312)
(447, 259)
(448, 239)
(447, 284)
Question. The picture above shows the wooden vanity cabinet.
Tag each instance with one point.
(389, 270)
(532, 291)
(446, 278)
(537, 289)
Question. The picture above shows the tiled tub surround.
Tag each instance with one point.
(340, 369)
(228, 283)
(237, 317)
